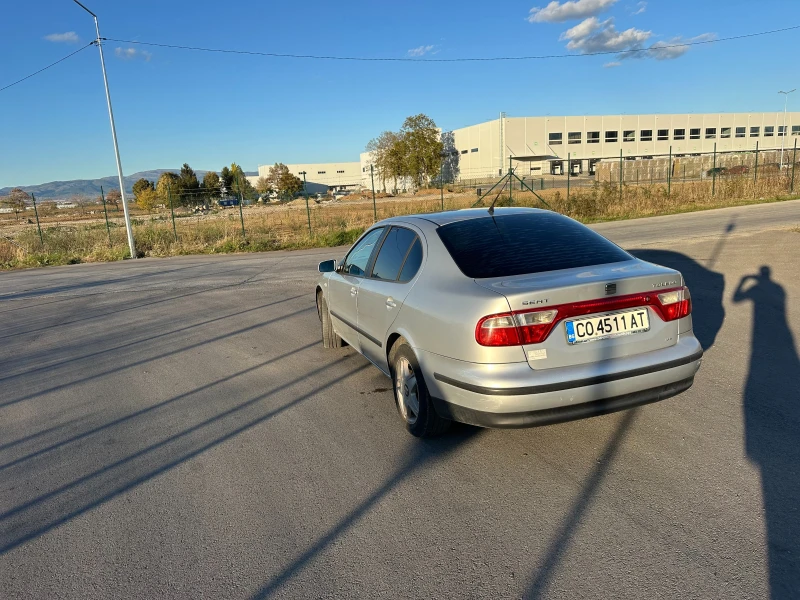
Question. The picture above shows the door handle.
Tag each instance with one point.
(390, 303)
(353, 291)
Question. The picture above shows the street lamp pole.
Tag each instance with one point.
(99, 43)
(785, 103)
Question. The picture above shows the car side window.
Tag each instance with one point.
(392, 253)
(356, 261)
(412, 263)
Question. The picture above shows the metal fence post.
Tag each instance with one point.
(308, 210)
(714, 173)
(755, 174)
(621, 176)
(510, 183)
(669, 174)
(375, 206)
(36, 211)
(541, 185)
(794, 162)
(569, 172)
(241, 204)
(105, 211)
(172, 211)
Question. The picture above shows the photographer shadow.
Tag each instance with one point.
(772, 421)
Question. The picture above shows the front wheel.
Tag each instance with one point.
(411, 394)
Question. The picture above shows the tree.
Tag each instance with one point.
(188, 184)
(168, 188)
(211, 183)
(17, 200)
(113, 197)
(380, 148)
(423, 148)
(138, 187)
(263, 186)
(147, 199)
(226, 178)
(283, 181)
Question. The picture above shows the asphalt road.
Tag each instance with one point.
(172, 428)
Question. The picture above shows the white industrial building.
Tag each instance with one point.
(542, 145)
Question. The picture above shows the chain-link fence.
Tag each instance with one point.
(49, 231)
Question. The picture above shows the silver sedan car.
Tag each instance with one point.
(515, 318)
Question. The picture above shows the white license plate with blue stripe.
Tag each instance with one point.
(610, 325)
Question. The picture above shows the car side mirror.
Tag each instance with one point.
(327, 266)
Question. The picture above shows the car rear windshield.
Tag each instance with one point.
(519, 244)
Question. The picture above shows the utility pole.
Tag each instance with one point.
(99, 42)
(785, 103)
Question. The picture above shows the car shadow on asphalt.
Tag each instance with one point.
(81, 493)
(771, 424)
(422, 455)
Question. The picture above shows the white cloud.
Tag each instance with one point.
(68, 37)
(639, 8)
(131, 53)
(591, 36)
(572, 10)
(421, 50)
(674, 48)
(610, 65)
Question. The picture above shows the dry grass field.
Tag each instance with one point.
(69, 237)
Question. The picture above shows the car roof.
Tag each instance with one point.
(452, 216)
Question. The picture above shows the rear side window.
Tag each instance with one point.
(392, 253)
(507, 245)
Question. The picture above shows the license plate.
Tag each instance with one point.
(616, 324)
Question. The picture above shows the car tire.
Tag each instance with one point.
(330, 339)
(411, 394)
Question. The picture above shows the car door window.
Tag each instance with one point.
(412, 263)
(392, 253)
(356, 261)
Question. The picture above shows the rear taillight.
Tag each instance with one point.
(513, 329)
(534, 326)
(675, 304)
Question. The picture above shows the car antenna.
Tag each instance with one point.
(491, 206)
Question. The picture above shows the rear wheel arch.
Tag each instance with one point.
(390, 343)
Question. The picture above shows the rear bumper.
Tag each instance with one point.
(549, 416)
(514, 395)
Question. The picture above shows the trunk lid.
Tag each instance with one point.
(542, 290)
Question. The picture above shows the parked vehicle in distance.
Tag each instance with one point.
(515, 318)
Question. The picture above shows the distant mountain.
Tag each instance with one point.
(59, 190)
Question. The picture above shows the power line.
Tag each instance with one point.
(447, 60)
(48, 66)
(408, 59)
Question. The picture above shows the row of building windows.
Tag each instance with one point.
(662, 135)
(465, 151)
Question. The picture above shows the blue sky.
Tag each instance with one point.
(174, 106)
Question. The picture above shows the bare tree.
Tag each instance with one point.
(17, 200)
(113, 198)
(81, 202)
